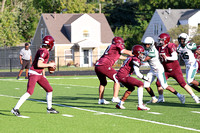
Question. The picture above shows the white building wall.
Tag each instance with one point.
(155, 25)
(193, 22)
(85, 23)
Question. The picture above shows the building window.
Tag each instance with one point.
(68, 54)
(161, 28)
(42, 33)
(85, 33)
(155, 29)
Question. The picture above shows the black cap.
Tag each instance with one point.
(26, 44)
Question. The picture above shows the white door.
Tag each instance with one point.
(87, 57)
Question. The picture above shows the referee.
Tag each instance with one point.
(25, 59)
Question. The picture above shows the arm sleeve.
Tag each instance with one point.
(137, 72)
(173, 57)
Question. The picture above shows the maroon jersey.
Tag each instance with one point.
(111, 55)
(42, 54)
(197, 56)
(127, 67)
(168, 50)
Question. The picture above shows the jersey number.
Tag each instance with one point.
(185, 55)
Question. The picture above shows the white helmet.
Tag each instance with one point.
(183, 36)
(148, 40)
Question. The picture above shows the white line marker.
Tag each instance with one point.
(17, 88)
(155, 113)
(121, 116)
(22, 116)
(195, 112)
(67, 115)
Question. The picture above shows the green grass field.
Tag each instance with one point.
(76, 97)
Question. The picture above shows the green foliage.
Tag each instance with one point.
(77, 6)
(9, 31)
(48, 6)
(174, 32)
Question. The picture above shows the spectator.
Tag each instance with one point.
(25, 60)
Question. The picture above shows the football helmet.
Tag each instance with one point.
(117, 40)
(48, 41)
(148, 41)
(163, 38)
(183, 36)
(138, 51)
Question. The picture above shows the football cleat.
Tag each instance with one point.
(153, 101)
(120, 106)
(17, 77)
(182, 99)
(52, 111)
(115, 100)
(15, 112)
(142, 107)
(161, 100)
(103, 101)
(196, 99)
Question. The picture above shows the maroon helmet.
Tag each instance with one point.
(163, 37)
(117, 40)
(137, 50)
(48, 41)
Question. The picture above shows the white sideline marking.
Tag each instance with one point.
(22, 116)
(67, 115)
(195, 112)
(17, 88)
(112, 114)
(155, 113)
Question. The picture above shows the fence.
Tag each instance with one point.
(63, 64)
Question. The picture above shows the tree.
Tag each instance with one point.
(77, 6)
(9, 32)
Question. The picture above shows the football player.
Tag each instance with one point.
(186, 49)
(169, 60)
(103, 67)
(157, 69)
(132, 63)
(36, 75)
(197, 56)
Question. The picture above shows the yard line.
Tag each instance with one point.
(195, 112)
(67, 115)
(155, 113)
(112, 114)
(22, 116)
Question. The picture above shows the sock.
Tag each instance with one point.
(154, 97)
(140, 96)
(178, 94)
(22, 100)
(49, 99)
(193, 95)
(161, 96)
(121, 102)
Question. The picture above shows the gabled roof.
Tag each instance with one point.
(55, 22)
(188, 14)
(170, 17)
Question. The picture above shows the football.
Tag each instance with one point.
(51, 69)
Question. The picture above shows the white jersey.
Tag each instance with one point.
(187, 54)
(154, 62)
(157, 69)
